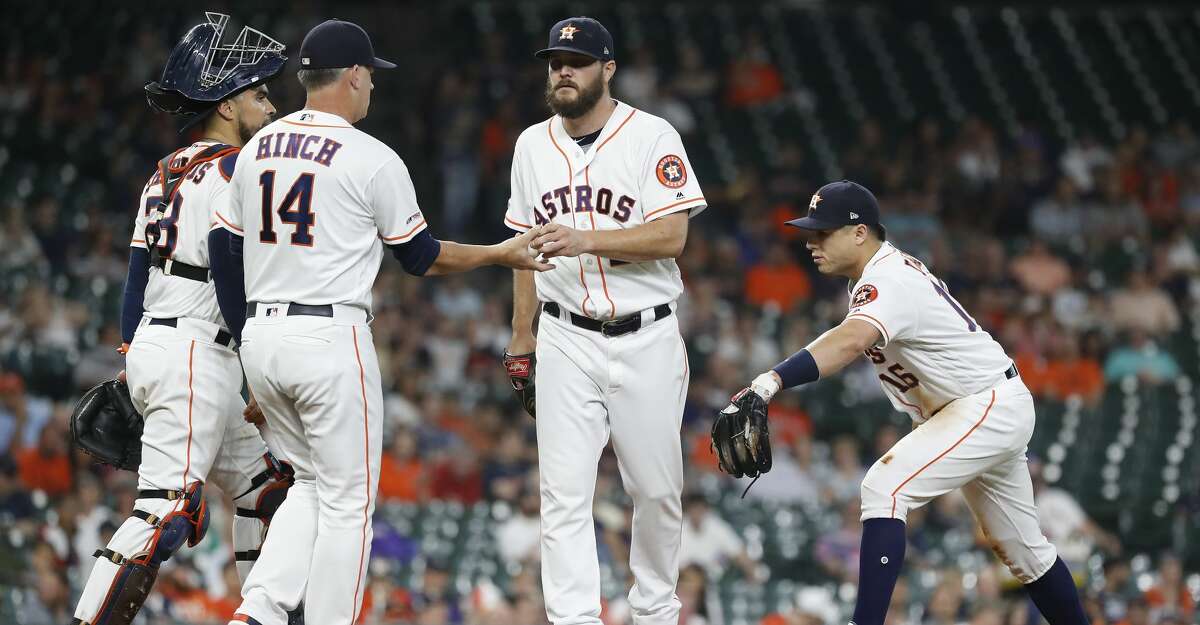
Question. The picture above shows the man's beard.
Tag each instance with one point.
(574, 109)
(246, 132)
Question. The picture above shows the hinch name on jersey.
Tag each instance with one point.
(297, 145)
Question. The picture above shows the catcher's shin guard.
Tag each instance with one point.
(136, 572)
(255, 508)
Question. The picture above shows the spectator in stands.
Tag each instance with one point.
(1170, 595)
(1058, 218)
(844, 481)
(101, 362)
(795, 475)
(517, 537)
(402, 474)
(837, 551)
(1071, 373)
(47, 466)
(15, 502)
(751, 79)
(456, 477)
(1138, 613)
(978, 158)
(1081, 159)
(710, 542)
(694, 80)
(778, 280)
(1114, 595)
(1040, 272)
(437, 601)
(1065, 523)
(693, 596)
(1139, 356)
(1142, 305)
(50, 601)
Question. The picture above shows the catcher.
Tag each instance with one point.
(974, 414)
(184, 377)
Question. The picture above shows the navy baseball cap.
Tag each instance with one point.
(837, 204)
(334, 44)
(582, 35)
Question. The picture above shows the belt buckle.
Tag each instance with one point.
(605, 325)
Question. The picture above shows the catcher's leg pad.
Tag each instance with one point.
(255, 509)
(130, 588)
(187, 524)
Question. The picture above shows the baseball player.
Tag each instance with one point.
(312, 205)
(612, 189)
(182, 371)
(973, 414)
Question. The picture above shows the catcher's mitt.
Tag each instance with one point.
(106, 425)
(520, 374)
(741, 437)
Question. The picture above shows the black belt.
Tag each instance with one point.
(222, 338)
(612, 327)
(182, 270)
(321, 310)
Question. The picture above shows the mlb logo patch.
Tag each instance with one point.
(273, 311)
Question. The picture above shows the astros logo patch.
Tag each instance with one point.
(863, 295)
(671, 172)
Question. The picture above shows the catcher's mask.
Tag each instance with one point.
(202, 71)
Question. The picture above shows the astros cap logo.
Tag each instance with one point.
(567, 32)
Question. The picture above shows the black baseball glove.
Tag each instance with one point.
(106, 425)
(520, 374)
(741, 437)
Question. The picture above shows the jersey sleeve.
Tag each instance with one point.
(519, 215)
(227, 198)
(668, 184)
(138, 238)
(393, 201)
(883, 303)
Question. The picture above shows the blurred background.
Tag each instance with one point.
(1042, 159)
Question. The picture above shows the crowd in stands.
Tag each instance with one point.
(1081, 259)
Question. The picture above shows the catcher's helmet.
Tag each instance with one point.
(202, 71)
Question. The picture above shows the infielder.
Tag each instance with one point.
(613, 190)
(182, 372)
(312, 204)
(973, 414)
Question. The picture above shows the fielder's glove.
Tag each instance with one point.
(520, 375)
(106, 425)
(741, 437)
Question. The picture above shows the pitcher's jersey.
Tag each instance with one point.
(931, 351)
(184, 236)
(635, 172)
(315, 200)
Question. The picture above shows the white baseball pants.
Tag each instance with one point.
(188, 389)
(317, 381)
(590, 388)
(976, 443)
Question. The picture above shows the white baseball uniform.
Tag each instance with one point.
(185, 383)
(975, 414)
(315, 199)
(592, 386)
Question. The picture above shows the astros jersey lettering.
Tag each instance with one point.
(931, 351)
(636, 172)
(315, 200)
(184, 236)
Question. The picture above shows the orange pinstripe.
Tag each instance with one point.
(880, 258)
(901, 400)
(226, 222)
(571, 185)
(187, 467)
(672, 205)
(600, 261)
(406, 234)
(623, 122)
(362, 382)
(514, 222)
(886, 336)
(948, 450)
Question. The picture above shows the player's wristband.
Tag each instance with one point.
(798, 369)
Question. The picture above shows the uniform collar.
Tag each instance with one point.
(884, 250)
(309, 117)
(620, 114)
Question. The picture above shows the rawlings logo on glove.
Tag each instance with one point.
(520, 374)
